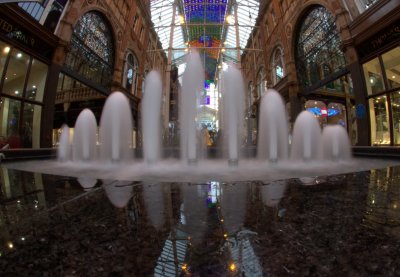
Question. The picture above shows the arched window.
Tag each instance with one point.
(130, 73)
(92, 49)
(250, 93)
(317, 42)
(261, 83)
(277, 65)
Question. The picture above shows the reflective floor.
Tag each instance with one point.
(342, 225)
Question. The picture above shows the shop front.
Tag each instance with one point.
(380, 60)
(25, 58)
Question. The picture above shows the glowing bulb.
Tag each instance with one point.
(371, 80)
(19, 55)
(6, 50)
(232, 267)
(186, 49)
(181, 19)
(219, 66)
(10, 245)
(22, 238)
(230, 19)
(16, 92)
(225, 235)
(33, 86)
(184, 267)
(393, 77)
(223, 50)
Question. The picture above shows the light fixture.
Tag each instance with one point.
(230, 19)
(219, 66)
(232, 267)
(393, 77)
(6, 49)
(16, 92)
(10, 245)
(33, 86)
(223, 50)
(19, 55)
(181, 19)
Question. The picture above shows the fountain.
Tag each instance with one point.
(192, 85)
(64, 147)
(151, 119)
(311, 153)
(116, 129)
(84, 147)
(233, 112)
(273, 143)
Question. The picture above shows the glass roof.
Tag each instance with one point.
(217, 28)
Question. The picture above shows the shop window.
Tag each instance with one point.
(4, 51)
(391, 63)
(36, 81)
(379, 114)
(373, 76)
(277, 65)
(395, 101)
(17, 68)
(130, 74)
(31, 126)
(22, 92)
(92, 49)
(10, 123)
(317, 43)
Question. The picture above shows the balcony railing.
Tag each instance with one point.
(77, 95)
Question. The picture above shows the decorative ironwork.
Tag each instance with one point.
(92, 49)
(318, 47)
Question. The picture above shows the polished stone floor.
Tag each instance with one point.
(341, 225)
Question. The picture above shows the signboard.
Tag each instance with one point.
(324, 112)
(384, 37)
(21, 35)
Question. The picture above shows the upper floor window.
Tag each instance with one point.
(261, 83)
(130, 73)
(48, 12)
(92, 49)
(277, 65)
(365, 4)
(317, 47)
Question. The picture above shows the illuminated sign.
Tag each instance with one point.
(324, 112)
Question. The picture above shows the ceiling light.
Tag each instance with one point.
(6, 49)
(181, 19)
(17, 92)
(223, 50)
(19, 55)
(393, 77)
(230, 19)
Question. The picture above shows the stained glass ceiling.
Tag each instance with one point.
(219, 29)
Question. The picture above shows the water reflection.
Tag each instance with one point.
(272, 193)
(153, 196)
(118, 192)
(206, 229)
(383, 200)
(194, 210)
(233, 206)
